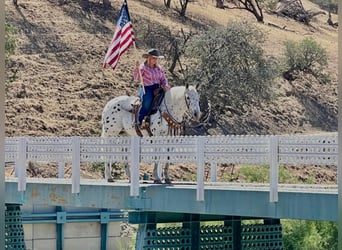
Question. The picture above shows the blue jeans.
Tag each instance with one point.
(147, 100)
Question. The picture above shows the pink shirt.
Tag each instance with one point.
(151, 76)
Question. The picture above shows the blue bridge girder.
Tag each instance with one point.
(307, 202)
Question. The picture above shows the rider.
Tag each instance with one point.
(153, 77)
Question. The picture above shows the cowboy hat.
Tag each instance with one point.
(153, 53)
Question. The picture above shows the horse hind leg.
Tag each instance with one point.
(156, 173)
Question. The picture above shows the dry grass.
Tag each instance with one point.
(61, 88)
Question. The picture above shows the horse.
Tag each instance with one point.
(118, 119)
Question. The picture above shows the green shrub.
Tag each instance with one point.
(10, 41)
(306, 56)
(285, 176)
(10, 46)
(308, 235)
(260, 174)
(231, 65)
(328, 5)
(97, 166)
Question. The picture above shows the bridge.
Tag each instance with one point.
(188, 203)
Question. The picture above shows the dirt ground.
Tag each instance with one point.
(58, 86)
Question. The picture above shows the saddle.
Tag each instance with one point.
(158, 98)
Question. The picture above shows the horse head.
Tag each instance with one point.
(192, 101)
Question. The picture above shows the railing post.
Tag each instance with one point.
(200, 168)
(213, 172)
(135, 160)
(61, 170)
(76, 164)
(21, 164)
(274, 168)
(107, 171)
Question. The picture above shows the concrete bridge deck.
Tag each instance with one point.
(308, 202)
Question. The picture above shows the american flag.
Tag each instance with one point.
(123, 38)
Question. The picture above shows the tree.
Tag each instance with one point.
(306, 56)
(170, 44)
(253, 6)
(232, 67)
(330, 21)
(184, 5)
(307, 235)
(295, 10)
(328, 5)
(167, 3)
(219, 4)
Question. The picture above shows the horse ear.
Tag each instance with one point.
(187, 86)
(197, 86)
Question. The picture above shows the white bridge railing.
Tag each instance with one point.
(213, 150)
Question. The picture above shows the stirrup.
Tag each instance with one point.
(144, 124)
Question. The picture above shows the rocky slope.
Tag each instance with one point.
(59, 88)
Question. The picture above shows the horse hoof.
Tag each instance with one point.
(110, 180)
(168, 181)
(157, 182)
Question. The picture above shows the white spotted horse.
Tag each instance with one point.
(119, 118)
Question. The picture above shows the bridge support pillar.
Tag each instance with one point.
(235, 225)
(193, 224)
(14, 231)
(61, 219)
(193, 232)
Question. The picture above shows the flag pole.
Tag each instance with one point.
(140, 75)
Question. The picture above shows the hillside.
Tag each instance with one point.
(59, 87)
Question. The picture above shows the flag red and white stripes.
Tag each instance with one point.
(123, 38)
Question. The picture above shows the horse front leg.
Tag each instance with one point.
(127, 171)
(108, 172)
(156, 174)
(166, 173)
